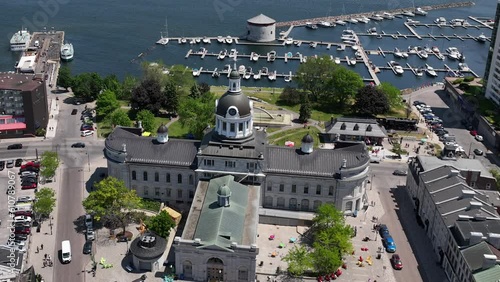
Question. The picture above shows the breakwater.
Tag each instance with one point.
(368, 14)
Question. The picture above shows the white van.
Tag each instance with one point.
(66, 251)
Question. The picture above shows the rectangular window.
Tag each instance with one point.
(146, 191)
(330, 191)
(224, 127)
(251, 166)
(240, 126)
(145, 176)
(179, 194)
(169, 192)
(208, 162)
(282, 187)
(191, 194)
(231, 126)
(157, 192)
(269, 187)
(488, 186)
(230, 164)
(294, 188)
(318, 190)
(157, 177)
(168, 178)
(472, 184)
(306, 190)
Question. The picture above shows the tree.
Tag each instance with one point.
(45, 202)
(128, 84)
(106, 103)
(148, 96)
(171, 97)
(290, 96)
(371, 101)
(197, 114)
(305, 111)
(298, 260)
(147, 119)
(392, 93)
(64, 78)
(194, 92)
(204, 88)
(315, 76)
(346, 84)
(112, 199)
(87, 86)
(182, 78)
(161, 224)
(48, 164)
(119, 117)
(496, 174)
(111, 82)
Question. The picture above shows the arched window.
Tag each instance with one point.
(145, 176)
(268, 202)
(134, 175)
(316, 204)
(292, 204)
(187, 268)
(304, 204)
(179, 178)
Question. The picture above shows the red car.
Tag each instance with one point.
(25, 213)
(33, 164)
(29, 186)
(396, 262)
(22, 230)
(473, 132)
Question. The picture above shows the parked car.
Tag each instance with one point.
(15, 146)
(25, 213)
(389, 244)
(22, 230)
(78, 145)
(90, 234)
(29, 186)
(28, 173)
(19, 162)
(10, 163)
(87, 133)
(74, 112)
(24, 199)
(383, 230)
(478, 138)
(20, 237)
(415, 103)
(87, 247)
(88, 221)
(22, 218)
(478, 152)
(86, 127)
(399, 172)
(29, 168)
(473, 132)
(2, 165)
(33, 164)
(396, 262)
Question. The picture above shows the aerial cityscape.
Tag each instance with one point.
(345, 141)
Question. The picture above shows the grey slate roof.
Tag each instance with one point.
(474, 255)
(221, 226)
(230, 99)
(463, 228)
(261, 19)
(138, 250)
(346, 126)
(430, 162)
(250, 148)
(436, 173)
(179, 152)
(321, 162)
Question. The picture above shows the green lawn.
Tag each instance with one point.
(294, 135)
(175, 130)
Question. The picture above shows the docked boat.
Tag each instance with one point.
(422, 54)
(163, 40)
(453, 53)
(183, 40)
(398, 54)
(192, 41)
(254, 57)
(325, 24)
(221, 39)
(435, 49)
(222, 54)
(196, 72)
(419, 11)
(408, 13)
(412, 50)
(405, 55)
(337, 60)
(248, 73)
(290, 54)
(396, 67)
(241, 69)
(388, 16)
(340, 22)
(288, 78)
(411, 21)
(272, 56)
(440, 21)
(67, 52)
(233, 53)
(202, 50)
(355, 47)
(348, 37)
(229, 40)
(372, 30)
(352, 61)
(264, 71)
(363, 19)
(350, 41)
(215, 74)
(197, 40)
(377, 17)
(348, 32)
(310, 25)
(313, 44)
(463, 67)
(206, 40)
(257, 75)
(419, 71)
(20, 40)
(430, 71)
(272, 76)
(227, 69)
(353, 20)
(289, 41)
(482, 38)
(459, 22)
(358, 55)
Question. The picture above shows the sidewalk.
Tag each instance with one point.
(53, 115)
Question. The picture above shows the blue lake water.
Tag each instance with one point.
(108, 35)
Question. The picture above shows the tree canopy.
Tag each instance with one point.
(291, 96)
(305, 111)
(64, 78)
(45, 202)
(161, 224)
(197, 114)
(106, 103)
(48, 164)
(87, 86)
(147, 119)
(148, 95)
(171, 97)
(119, 117)
(371, 101)
(392, 93)
(111, 198)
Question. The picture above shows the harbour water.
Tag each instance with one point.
(118, 31)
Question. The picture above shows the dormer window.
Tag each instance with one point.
(369, 127)
(356, 127)
(343, 126)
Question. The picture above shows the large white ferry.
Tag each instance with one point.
(67, 52)
(20, 40)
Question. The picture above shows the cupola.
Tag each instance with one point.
(162, 134)
(223, 194)
(307, 144)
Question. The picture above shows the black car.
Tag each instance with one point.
(478, 152)
(15, 146)
(87, 247)
(400, 172)
(383, 230)
(418, 103)
(21, 237)
(2, 165)
(78, 145)
(74, 112)
(19, 162)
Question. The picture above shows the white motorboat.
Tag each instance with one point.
(348, 37)
(222, 54)
(388, 16)
(459, 22)
(408, 13)
(427, 49)
(340, 22)
(453, 53)
(358, 55)
(227, 68)
(412, 50)
(313, 44)
(396, 67)
(254, 57)
(405, 55)
(422, 54)
(229, 39)
(372, 30)
(202, 50)
(20, 40)
(183, 40)
(206, 40)
(311, 25)
(215, 74)
(435, 49)
(221, 39)
(289, 41)
(430, 71)
(272, 76)
(248, 73)
(353, 20)
(411, 21)
(419, 11)
(398, 54)
(341, 47)
(440, 21)
(241, 70)
(325, 24)
(482, 38)
(463, 67)
(363, 19)
(290, 54)
(196, 72)
(233, 53)
(350, 41)
(352, 61)
(67, 52)
(192, 41)
(354, 47)
(272, 56)
(419, 72)
(377, 17)
(257, 75)
(348, 32)
(337, 60)
(163, 40)
(288, 78)
(264, 71)
(197, 40)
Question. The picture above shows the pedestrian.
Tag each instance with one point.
(41, 247)
(45, 256)
(37, 250)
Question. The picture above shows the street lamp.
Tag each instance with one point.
(88, 158)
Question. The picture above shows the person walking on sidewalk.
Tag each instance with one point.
(41, 247)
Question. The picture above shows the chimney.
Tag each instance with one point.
(494, 240)
(489, 261)
(453, 173)
(139, 124)
(197, 241)
(475, 237)
(344, 163)
(474, 205)
(467, 194)
(124, 148)
(234, 245)
(177, 239)
(253, 247)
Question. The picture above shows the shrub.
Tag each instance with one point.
(458, 81)
(464, 86)
(468, 78)
(151, 205)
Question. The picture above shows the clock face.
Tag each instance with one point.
(232, 112)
